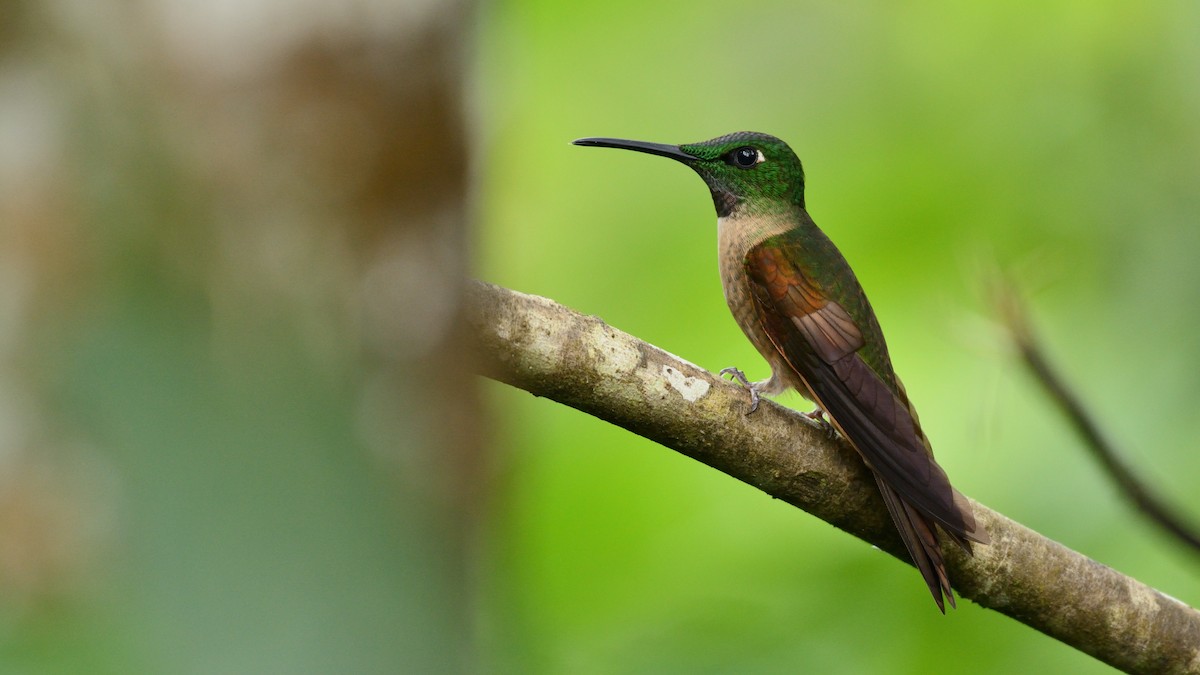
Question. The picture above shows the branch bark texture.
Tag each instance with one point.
(552, 351)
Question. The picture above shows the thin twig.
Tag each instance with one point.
(1150, 504)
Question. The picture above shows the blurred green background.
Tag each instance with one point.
(237, 434)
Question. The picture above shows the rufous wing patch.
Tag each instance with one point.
(830, 331)
(825, 324)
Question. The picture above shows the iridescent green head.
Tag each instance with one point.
(745, 170)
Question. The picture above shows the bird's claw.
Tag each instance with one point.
(740, 377)
(818, 416)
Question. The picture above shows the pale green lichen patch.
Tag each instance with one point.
(692, 389)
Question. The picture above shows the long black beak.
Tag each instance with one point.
(659, 149)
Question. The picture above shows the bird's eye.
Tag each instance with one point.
(745, 157)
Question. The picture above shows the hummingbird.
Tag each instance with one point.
(798, 301)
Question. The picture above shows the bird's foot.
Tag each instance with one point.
(818, 416)
(740, 377)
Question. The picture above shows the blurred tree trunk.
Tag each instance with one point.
(245, 243)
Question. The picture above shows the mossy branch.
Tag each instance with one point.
(550, 350)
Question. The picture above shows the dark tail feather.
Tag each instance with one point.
(972, 532)
(921, 540)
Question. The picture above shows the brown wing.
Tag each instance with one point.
(821, 341)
